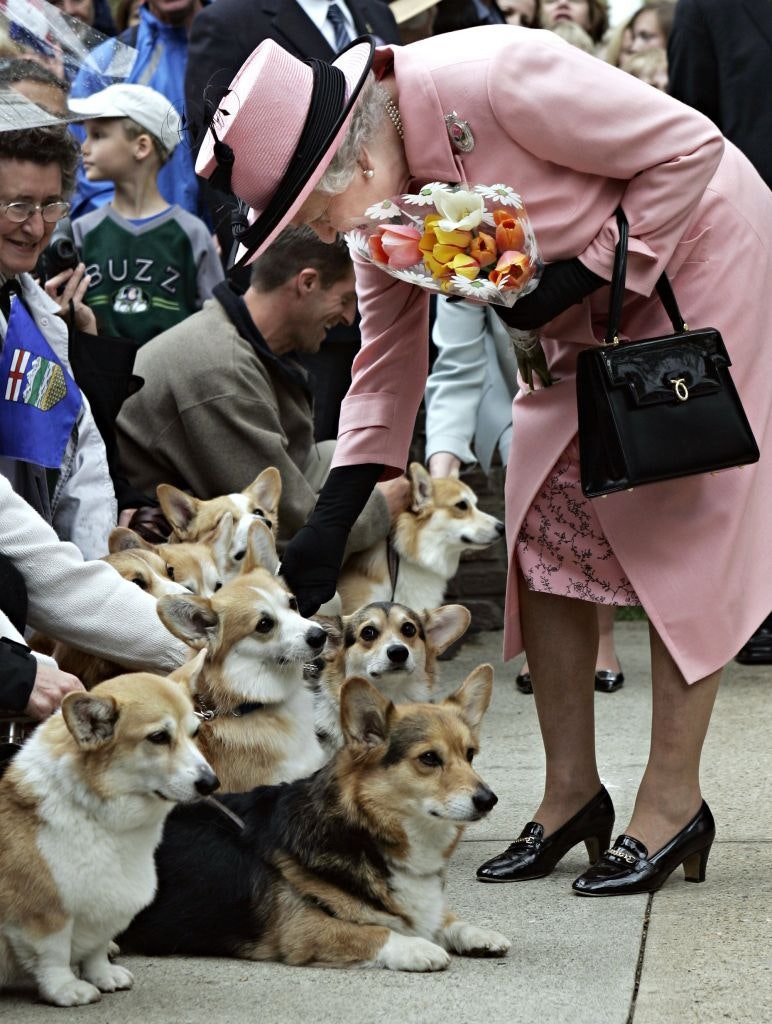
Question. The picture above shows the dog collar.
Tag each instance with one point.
(206, 713)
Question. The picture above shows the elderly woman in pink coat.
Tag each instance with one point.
(576, 138)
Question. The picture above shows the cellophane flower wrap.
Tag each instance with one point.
(471, 241)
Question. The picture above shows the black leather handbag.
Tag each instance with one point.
(657, 408)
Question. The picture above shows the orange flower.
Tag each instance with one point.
(509, 234)
(465, 265)
(376, 249)
(460, 239)
(512, 271)
(483, 249)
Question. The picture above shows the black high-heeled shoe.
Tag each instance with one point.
(534, 856)
(608, 681)
(627, 868)
(523, 682)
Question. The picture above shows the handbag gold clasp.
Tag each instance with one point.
(681, 390)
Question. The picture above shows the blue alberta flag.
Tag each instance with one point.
(39, 400)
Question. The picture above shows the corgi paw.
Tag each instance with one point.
(113, 950)
(469, 940)
(73, 993)
(408, 953)
(109, 977)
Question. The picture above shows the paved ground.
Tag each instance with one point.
(692, 954)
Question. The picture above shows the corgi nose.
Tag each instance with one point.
(484, 799)
(500, 529)
(398, 653)
(315, 638)
(207, 782)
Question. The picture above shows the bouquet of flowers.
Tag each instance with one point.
(468, 241)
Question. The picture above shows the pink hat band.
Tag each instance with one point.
(276, 131)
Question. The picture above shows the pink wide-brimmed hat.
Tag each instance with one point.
(276, 131)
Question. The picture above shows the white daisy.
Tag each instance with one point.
(480, 289)
(385, 210)
(414, 275)
(357, 243)
(502, 194)
(424, 196)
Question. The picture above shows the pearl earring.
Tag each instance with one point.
(369, 172)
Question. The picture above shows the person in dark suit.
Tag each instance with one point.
(222, 36)
(720, 63)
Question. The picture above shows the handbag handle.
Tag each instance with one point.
(618, 275)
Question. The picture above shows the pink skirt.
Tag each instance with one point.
(561, 547)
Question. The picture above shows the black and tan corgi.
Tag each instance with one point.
(347, 867)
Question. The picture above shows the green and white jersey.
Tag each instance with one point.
(146, 276)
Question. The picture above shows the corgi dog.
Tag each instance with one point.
(189, 566)
(195, 519)
(83, 805)
(390, 645)
(139, 563)
(258, 714)
(427, 540)
(347, 867)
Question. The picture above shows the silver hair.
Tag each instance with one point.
(369, 115)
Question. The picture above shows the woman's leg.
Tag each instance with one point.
(561, 640)
(607, 655)
(669, 794)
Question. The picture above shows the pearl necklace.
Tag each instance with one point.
(393, 112)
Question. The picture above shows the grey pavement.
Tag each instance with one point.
(691, 954)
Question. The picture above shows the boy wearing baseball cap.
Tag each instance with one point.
(151, 264)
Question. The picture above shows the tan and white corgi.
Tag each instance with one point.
(138, 562)
(394, 647)
(347, 867)
(190, 566)
(195, 519)
(258, 714)
(83, 806)
(428, 539)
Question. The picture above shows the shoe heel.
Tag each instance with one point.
(696, 864)
(597, 844)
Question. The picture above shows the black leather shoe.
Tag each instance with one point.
(606, 680)
(627, 867)
(758, 650)
(534, 856)
(523, 682)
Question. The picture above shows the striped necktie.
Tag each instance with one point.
(337, 20)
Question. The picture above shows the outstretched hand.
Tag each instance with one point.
(310, 566)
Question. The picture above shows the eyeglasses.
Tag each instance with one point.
(21, 211)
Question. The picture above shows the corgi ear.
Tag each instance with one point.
(446, 624)
(364, 713)
(220, 539)
(90, 719)
(123, 539)
(422, 486)
(178, 507)
(261, 549)
(265, 492)
(190, 618)
(189, 673)
(474, 695)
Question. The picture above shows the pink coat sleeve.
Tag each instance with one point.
(378, 414)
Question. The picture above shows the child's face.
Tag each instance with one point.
(108, 153)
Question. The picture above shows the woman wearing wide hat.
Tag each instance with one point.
(576, 138)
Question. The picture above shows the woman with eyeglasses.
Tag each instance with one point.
(50, 448)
